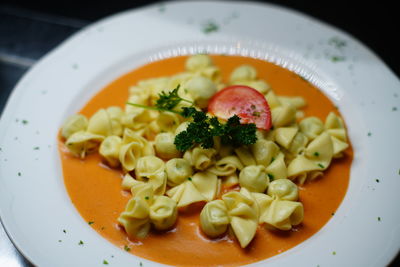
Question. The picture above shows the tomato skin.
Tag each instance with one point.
(244, 101)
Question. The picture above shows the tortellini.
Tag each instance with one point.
(282, 214)
(198, 62)
(73, 124)
(317, 157)
(152, 170)
(178, 170)
(203, 66)
(234, 209)
(110, 148)
(311, 127)
(144, 209)
(335, 128)
(201, 89)
(243, 73)
(133, 147)
(214, 219)
(135, 219)
(243, 217)
(165, 147)
(163, 213)
(200, 158)
(254, 178)
(226, 166)
(168, 121)
(82, 143)
(284, 189)
(283, 115)
(100, 123)
(202, 186)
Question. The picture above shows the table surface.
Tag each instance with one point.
(28, 30)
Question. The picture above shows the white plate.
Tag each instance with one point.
(34, 205)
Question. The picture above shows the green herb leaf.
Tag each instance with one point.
(271, 177)
(168, 101)
(316, 154)
(165, 102)
(126, 248)
(80, 242)
(203, 130)
(90, 222)
(105, 262)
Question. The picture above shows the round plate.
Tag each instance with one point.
(35, 208)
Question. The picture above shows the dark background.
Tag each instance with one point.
(29, 29)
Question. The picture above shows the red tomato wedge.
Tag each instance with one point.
(246, 102)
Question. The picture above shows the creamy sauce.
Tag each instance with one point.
(96, 190)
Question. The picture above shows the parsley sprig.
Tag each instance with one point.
(167, 101)
(203, 129)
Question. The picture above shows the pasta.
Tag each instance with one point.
(164, 145)
(200, 158)
(203, 186)
(73, 124)
(152, 170)
(201, 89)
(144, 209)
(238, 187)
(214, 219)
(243, 218)
(110, 148)
(178, 170)
(100, 123)
(82, 143)
(254, 178)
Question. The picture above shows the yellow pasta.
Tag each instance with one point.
(73, 124)
(243, 218)
(214, 219)
(82, 143)
(164, 145)
(226, 166)
(178, 170)
(109, 150)
(200, 158)
(152, 170)
(163, 213)
(254, 178)
(100, 123)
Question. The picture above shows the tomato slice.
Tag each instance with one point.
(246, 102)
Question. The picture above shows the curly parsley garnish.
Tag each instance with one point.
(202, 129)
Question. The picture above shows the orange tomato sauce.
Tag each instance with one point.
(96, 192)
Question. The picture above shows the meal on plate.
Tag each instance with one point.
(207, 160)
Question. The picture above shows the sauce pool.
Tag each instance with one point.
(96, 192)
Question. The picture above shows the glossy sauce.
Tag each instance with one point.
(96, 190)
